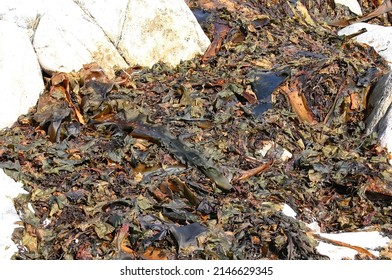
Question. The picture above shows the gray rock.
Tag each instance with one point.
(379, 119)
(378, 103)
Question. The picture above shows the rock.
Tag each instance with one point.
(20, 74)
(165, 31)
(67, 38)
(22, 83)
(369, 240)
(114, 34)
(379, 103)
(379, 117)
(353, 5)
(379, 37)
(8, 216)
(21, 14)
(109, 15)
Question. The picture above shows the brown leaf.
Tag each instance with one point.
(298, 102)
(84, 252)
(343, 244)
(355, 101)
(154, 254)
(179, 187)
(121, 240)
(376, 185)
(220, 32)
(255, 171)
(385, 7)
(60, 81)
(93, 71)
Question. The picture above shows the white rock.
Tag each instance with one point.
(379, 37)
(67, 34)
(21, 80)
(24, 14)
(164, 31)
(9, 189)
(67, 38)
(336, 252)
(370, 241)
(109, 15)
(20, 74)
(366, 239)
(112, 33)
(353, 5)
(288, 211)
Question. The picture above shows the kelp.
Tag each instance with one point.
(273, 114)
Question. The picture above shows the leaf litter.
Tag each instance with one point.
(196, 162)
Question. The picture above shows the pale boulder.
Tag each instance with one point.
(20, 74)
(9, 189)
(353, 5)
(107, 14)
(21, 81)
(67, 38)
(115, 34)
(376, 36)
(67, 34)
(164, 31)
(24, 14)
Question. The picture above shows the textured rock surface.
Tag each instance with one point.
(20, 74)
(111, 33)
(8, 216)
(379, 101)
(353, 5)
(165, 31)
(380, 115)
(379, 37)
(67, 38)
(380, 118)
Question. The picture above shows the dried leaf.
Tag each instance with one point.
(298, 102)
(343, 244)
(255, 171)
(155, 254)
(220, 32)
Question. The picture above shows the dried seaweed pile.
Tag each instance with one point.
(196, 162)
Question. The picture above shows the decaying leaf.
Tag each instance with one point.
(298, 102)
(176, 163)
(154, 254)
(220, 32)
